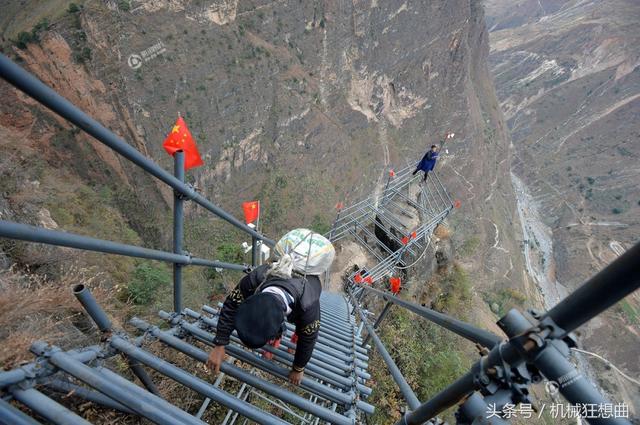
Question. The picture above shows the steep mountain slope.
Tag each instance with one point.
(299, 104)
(568, 78)
(277, 93)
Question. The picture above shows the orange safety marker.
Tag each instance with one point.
(394, 282)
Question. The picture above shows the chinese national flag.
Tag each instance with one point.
(405, 240)
(251, 211)
(368, 280)
(179, 139)
(357, 278)
(395, 284)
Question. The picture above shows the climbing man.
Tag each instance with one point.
(288, 289)
(428, 162)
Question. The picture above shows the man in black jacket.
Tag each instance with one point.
(257, 309)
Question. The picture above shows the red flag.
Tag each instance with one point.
(405, 240)
(457, 203)
(414, 234)
(251, 211)
(357, 278)
(179, 139)
(339, 205)
(368, 280)
(395, 284)
(392, 173)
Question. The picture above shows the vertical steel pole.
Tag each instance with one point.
(254, 251)
(379, 320)
(178, 231)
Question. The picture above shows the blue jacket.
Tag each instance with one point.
(428, 161)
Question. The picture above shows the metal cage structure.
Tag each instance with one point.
(392, 226)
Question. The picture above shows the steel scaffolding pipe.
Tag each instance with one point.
(465, 330)
(598, 293)
(286, 359)
(178, 229)
(91, 377)
(37, 369)
(193, 382)
(381, 317)
(142, 375)
(9, 415)
(321, 353)
(85, 297)
(406, 390)
(99, 317)
(323, 344)
(65, 387)
(149, 398)
(29, 84)
(338, 333)
(47, 408)
(29, 233)
(475, 407)
(344, 399)
(243, 376)
(347, 213)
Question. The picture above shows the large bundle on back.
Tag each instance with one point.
(311, 253)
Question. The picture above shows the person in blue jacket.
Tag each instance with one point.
(428, 162)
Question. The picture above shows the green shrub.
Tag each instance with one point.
(83, 55)
(456, 290)
(502, 300)
(469, 246)
(73, 8)
(124, 5)
(24, 38)
(617, 211)
(230, 252)
(146, 281)
(319, 225)
(630, 312)
(40, 26)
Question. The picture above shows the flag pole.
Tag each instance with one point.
(254, 241)
(178, 231)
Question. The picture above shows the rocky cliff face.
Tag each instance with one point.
(300, 104)
(568, 79)
(278, 93)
